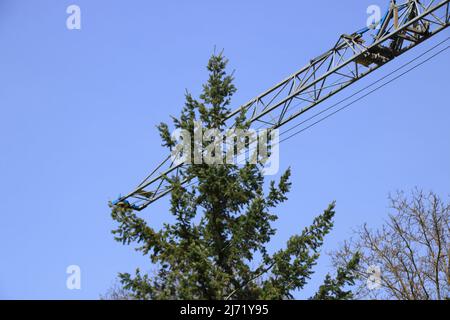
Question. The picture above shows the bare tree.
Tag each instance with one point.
(408, 257)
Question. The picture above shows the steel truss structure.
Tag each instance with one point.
(354, 56)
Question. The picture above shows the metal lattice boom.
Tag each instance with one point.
(353, 57)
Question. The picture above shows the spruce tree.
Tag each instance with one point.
(334, 289)
(223, 222)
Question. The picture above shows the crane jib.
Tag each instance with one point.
(404, 26)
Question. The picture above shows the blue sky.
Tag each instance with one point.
(79, 110)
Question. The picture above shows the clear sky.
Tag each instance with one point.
(79, 110)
